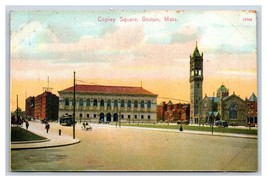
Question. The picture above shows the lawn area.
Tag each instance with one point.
(198, 128)
(20, 134)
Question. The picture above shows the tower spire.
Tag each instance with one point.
(196, 81)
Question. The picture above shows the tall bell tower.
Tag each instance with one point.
(196, 80)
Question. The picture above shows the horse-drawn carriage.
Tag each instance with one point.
(87, 127)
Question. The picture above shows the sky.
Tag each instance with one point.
(115, 47)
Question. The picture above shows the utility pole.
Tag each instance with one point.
(17, 107)
(74, 106)
(212, 116)
(119, 118)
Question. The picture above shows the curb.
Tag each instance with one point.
(224, 135)
(46, 146)
(28, 142)
(198, 133)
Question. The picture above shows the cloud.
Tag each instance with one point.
(145, 43)
(218, 31)
(186, 34)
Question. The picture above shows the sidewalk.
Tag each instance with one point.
(53, 138)
(195, 132)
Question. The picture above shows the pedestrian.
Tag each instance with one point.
(27, 124)
(47, 126)
(181, 128)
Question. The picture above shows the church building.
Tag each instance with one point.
(229, 108)
(207, 110)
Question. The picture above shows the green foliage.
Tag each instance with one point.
(20, 134)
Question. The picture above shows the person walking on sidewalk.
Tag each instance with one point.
(47, 126)
(27, 124)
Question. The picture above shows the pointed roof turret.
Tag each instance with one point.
(196, 52)
(253, 98)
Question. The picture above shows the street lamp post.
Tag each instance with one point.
(119, 118)
(17, 107)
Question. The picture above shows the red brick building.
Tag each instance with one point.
(252, 110)
(29, 111)
(173, 112)
(43, 106)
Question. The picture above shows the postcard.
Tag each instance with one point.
(133, 90)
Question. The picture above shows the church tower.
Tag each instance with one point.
(196, 80)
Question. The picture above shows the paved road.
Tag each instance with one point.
(108, 148)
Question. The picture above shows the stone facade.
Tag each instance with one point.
(196, 81)
(209, 110)
(231, 109)
(97, 103)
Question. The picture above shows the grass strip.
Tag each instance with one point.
(198, 128)
(20, 134)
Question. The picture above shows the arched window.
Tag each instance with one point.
(95, 102)
(148, 104)
(102, 103)
(115, 103)
(233, 111)
(81, 102)
(135, 104)
(67, 102)
(122, 103)
(129, 104)
(109, 103)
(88, 102)
(142, 104)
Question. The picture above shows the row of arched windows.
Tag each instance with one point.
(115, 103)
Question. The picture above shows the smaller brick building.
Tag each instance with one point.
(252, 110)
(173, 113)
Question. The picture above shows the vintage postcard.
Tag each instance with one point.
(133, 90)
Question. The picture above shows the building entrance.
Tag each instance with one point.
(108, 117)
(115, 117)
(101, 118)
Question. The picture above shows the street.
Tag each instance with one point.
(107, 148)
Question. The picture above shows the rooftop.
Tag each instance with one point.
(253, 97)
(222, 89)
(215, 99)
(109, 90)
(196, 52)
